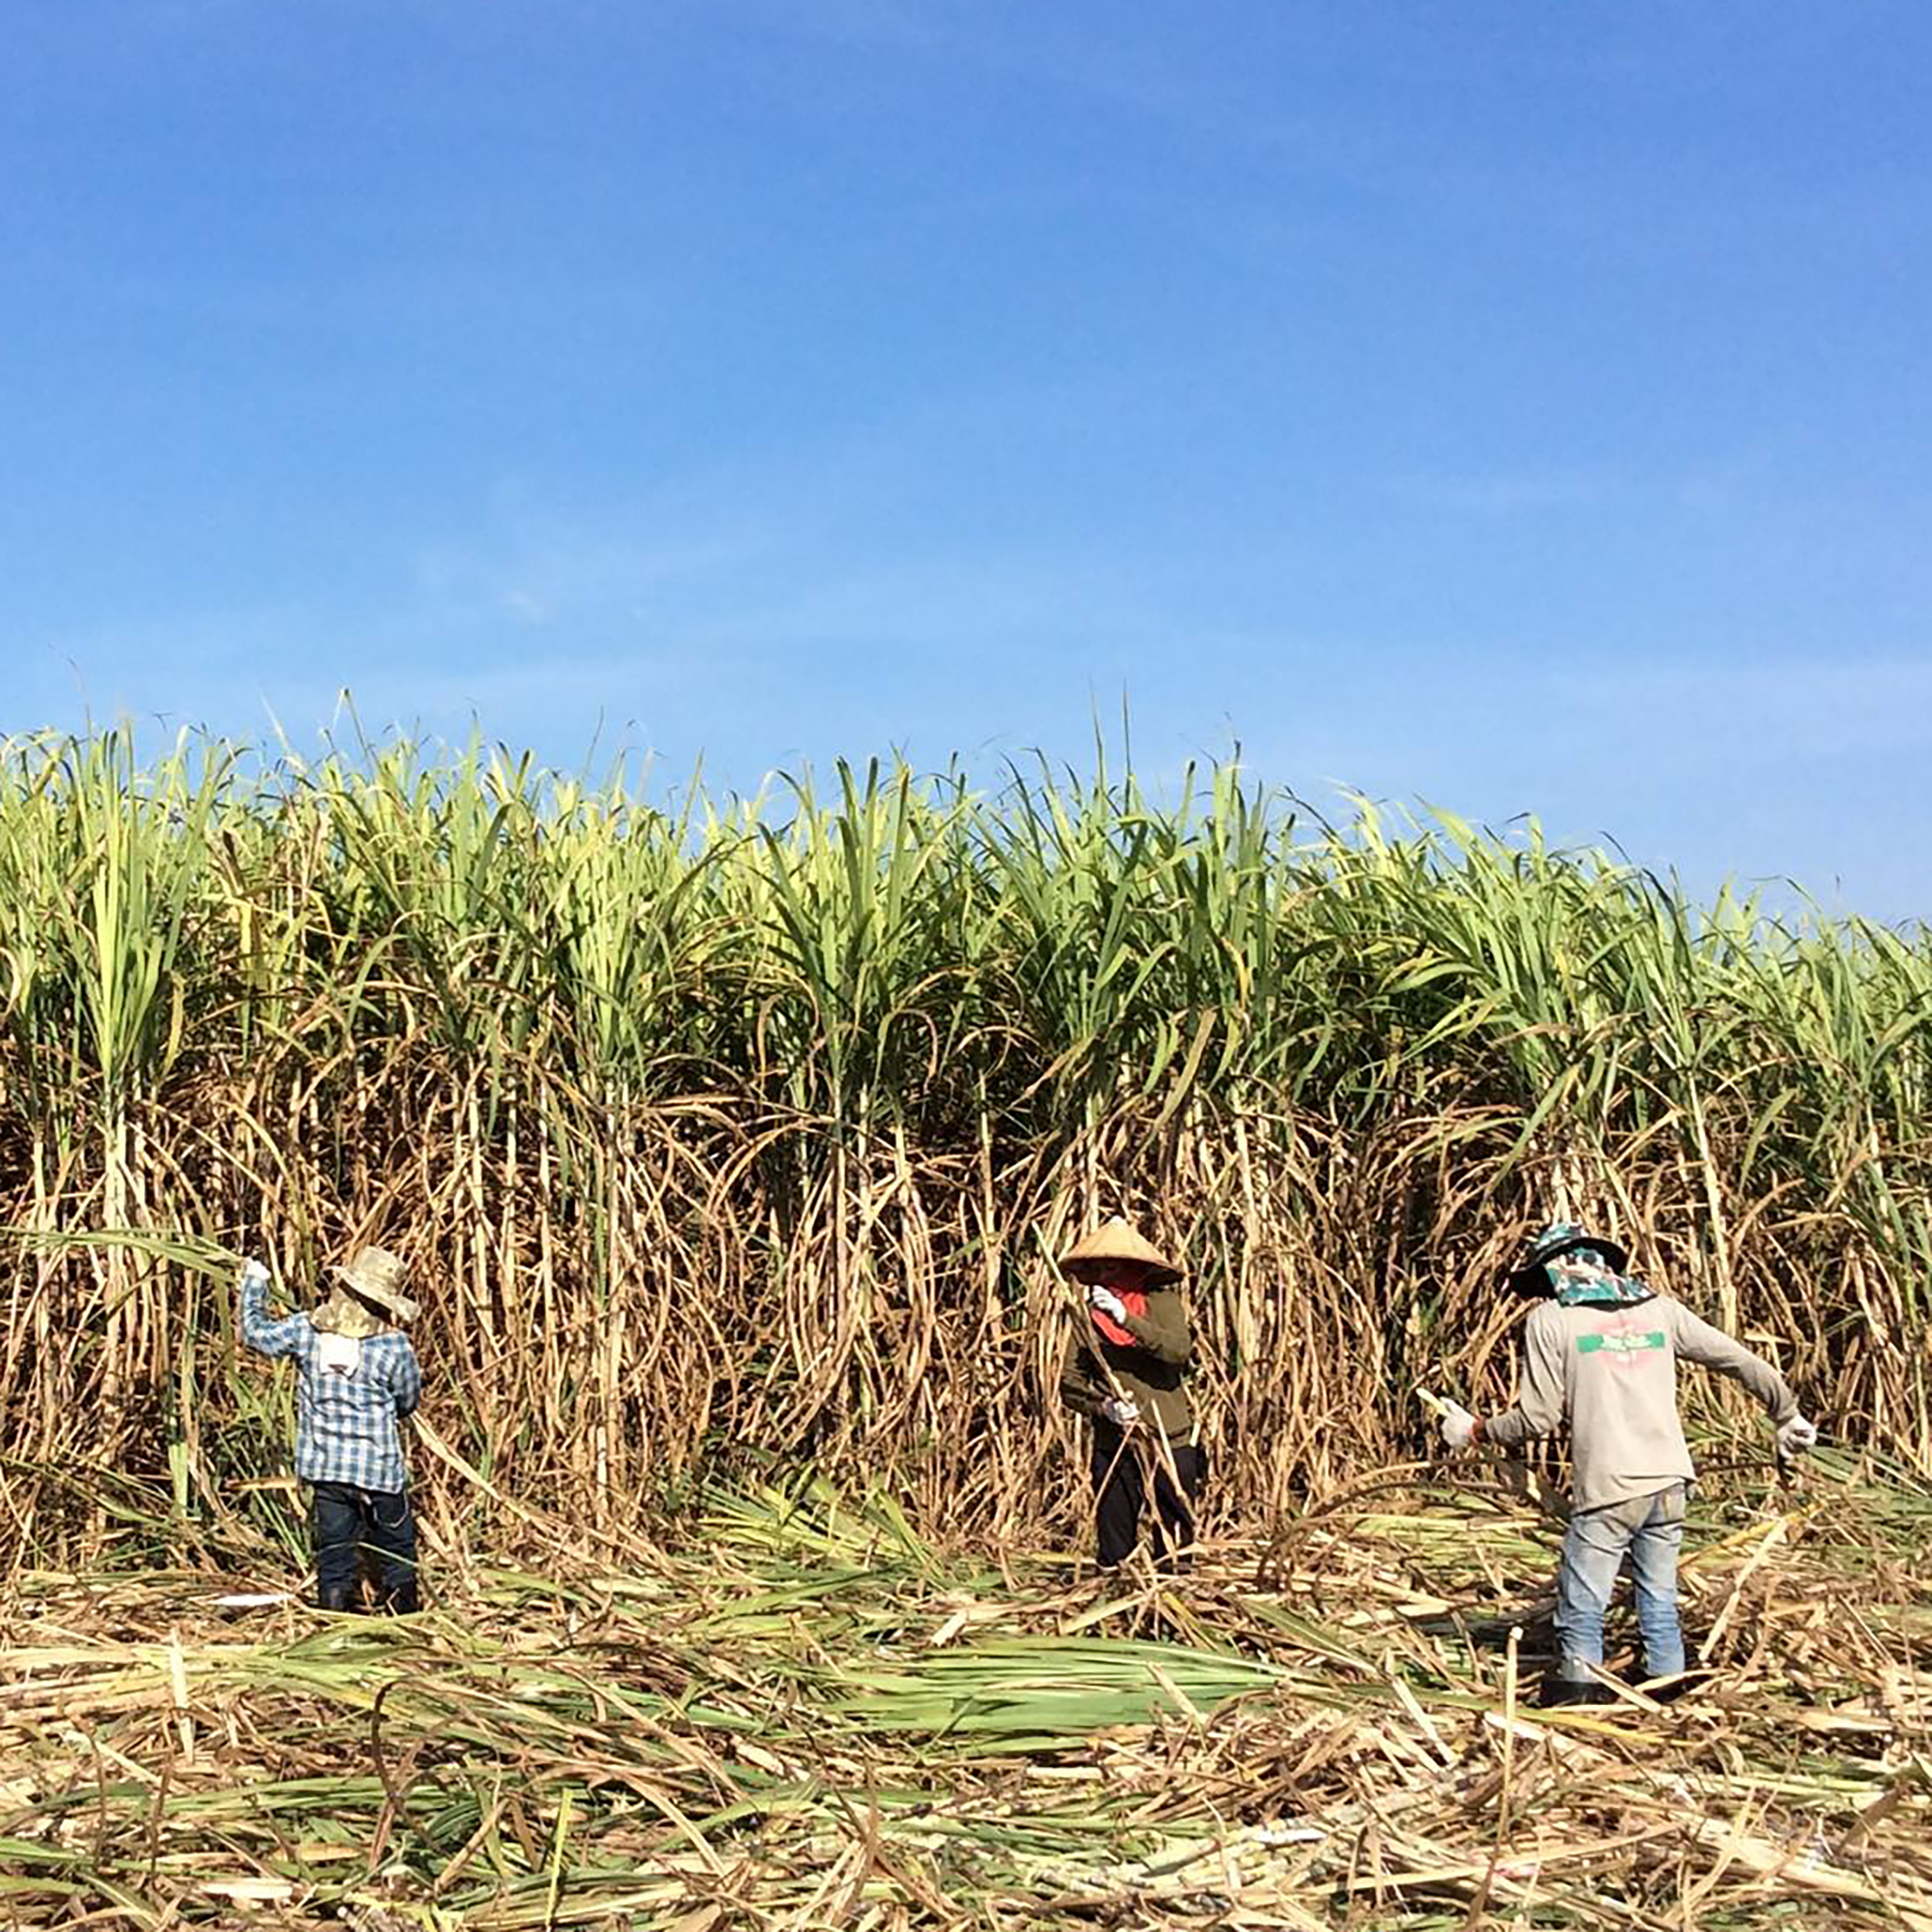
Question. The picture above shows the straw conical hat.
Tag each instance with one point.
(1118, 1241)
(380, 1277)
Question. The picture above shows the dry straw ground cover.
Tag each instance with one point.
(809, 1717)
(730, 1143)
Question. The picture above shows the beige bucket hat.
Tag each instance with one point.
(380, 1277)
(1119, 1240)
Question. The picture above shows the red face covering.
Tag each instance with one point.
(1134, 1300)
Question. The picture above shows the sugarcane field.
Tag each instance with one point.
(914, 1353)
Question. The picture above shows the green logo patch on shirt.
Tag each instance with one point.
(1621, 1344)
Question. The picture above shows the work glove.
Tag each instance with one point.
(253, 1273)
(1795, 1437)
(1104, 1301)
(1123, 1411)
(1459, 1425)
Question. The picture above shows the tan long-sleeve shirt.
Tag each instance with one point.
(1611, 1372)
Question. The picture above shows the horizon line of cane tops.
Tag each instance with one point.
(1205, 799)
(1232, 927)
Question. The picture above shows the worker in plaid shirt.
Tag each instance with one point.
(359, 1379)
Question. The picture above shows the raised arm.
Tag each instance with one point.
(1697, 1341)
(267, 1337)
(1539, 1404)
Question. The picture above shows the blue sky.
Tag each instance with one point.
(1519, 408)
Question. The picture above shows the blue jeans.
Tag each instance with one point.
(350, 1523)
(1650, 1528)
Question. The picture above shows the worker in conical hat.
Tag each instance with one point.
(359, 1379)
(1126, 1373)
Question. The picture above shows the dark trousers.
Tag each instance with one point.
(1119, 1474)
(350, 1522)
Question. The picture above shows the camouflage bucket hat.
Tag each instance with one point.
(1527, 1276)
(379, 1276)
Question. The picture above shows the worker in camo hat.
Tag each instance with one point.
(359, 1379)
(1125, 1372)
(1600, 1351)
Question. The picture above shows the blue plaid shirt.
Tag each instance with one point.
(345, 1425)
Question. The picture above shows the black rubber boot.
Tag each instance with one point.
(1672, 1688)
(1559, 1690)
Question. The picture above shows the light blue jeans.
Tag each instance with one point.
(1650, 1528)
